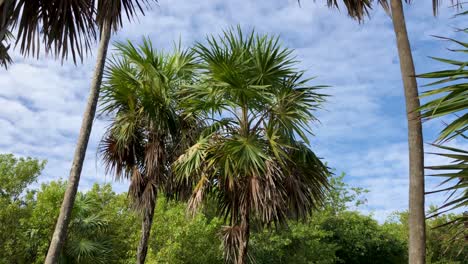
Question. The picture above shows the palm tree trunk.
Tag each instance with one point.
(60, 231)
(417, 228)
(245, 229)
(145, 234)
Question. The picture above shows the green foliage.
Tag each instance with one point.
(361, 240)
(301, 242)
(450, 99)
(104, 229)
(441, 247)
(15, 175)
(445, 246)
(180, 238)
(341, 196)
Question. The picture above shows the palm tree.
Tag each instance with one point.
(358, 9)
(109, 14)
(450, 98)
(63, 29)
(147, 131)
(253, 159)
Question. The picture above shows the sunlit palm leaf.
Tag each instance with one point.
(452, 97)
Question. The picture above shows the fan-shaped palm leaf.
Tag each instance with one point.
(148, 129)
(250, 158)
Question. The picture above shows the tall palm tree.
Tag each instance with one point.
(109, 15)
(253, 159)
(358, 9)
(147, 131)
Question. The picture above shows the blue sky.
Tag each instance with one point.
(363, 126)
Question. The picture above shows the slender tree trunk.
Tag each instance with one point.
(145, 234)
(245, 229)
(417, 227)
(60, 232)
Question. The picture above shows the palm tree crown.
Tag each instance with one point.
(147, 128)
(253, 157)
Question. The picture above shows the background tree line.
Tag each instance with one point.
(104, 228)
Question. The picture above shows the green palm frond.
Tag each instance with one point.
(148, 127)
(6, 11)
(5, 58)
(86, 240)
(450, 98)
(455, 183)
(85, 250)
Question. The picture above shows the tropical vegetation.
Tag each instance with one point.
(105, 228)
(221, 130)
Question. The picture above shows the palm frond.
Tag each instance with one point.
(456, 174)
(232, 240)
(113, 11)
(148, 128)
(63, 27)
(451, 98)
(6, 11)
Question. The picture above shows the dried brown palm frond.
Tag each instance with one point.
(307, 181)
(356, 8)
(155, 159)
(119, 159)
(232, 239)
